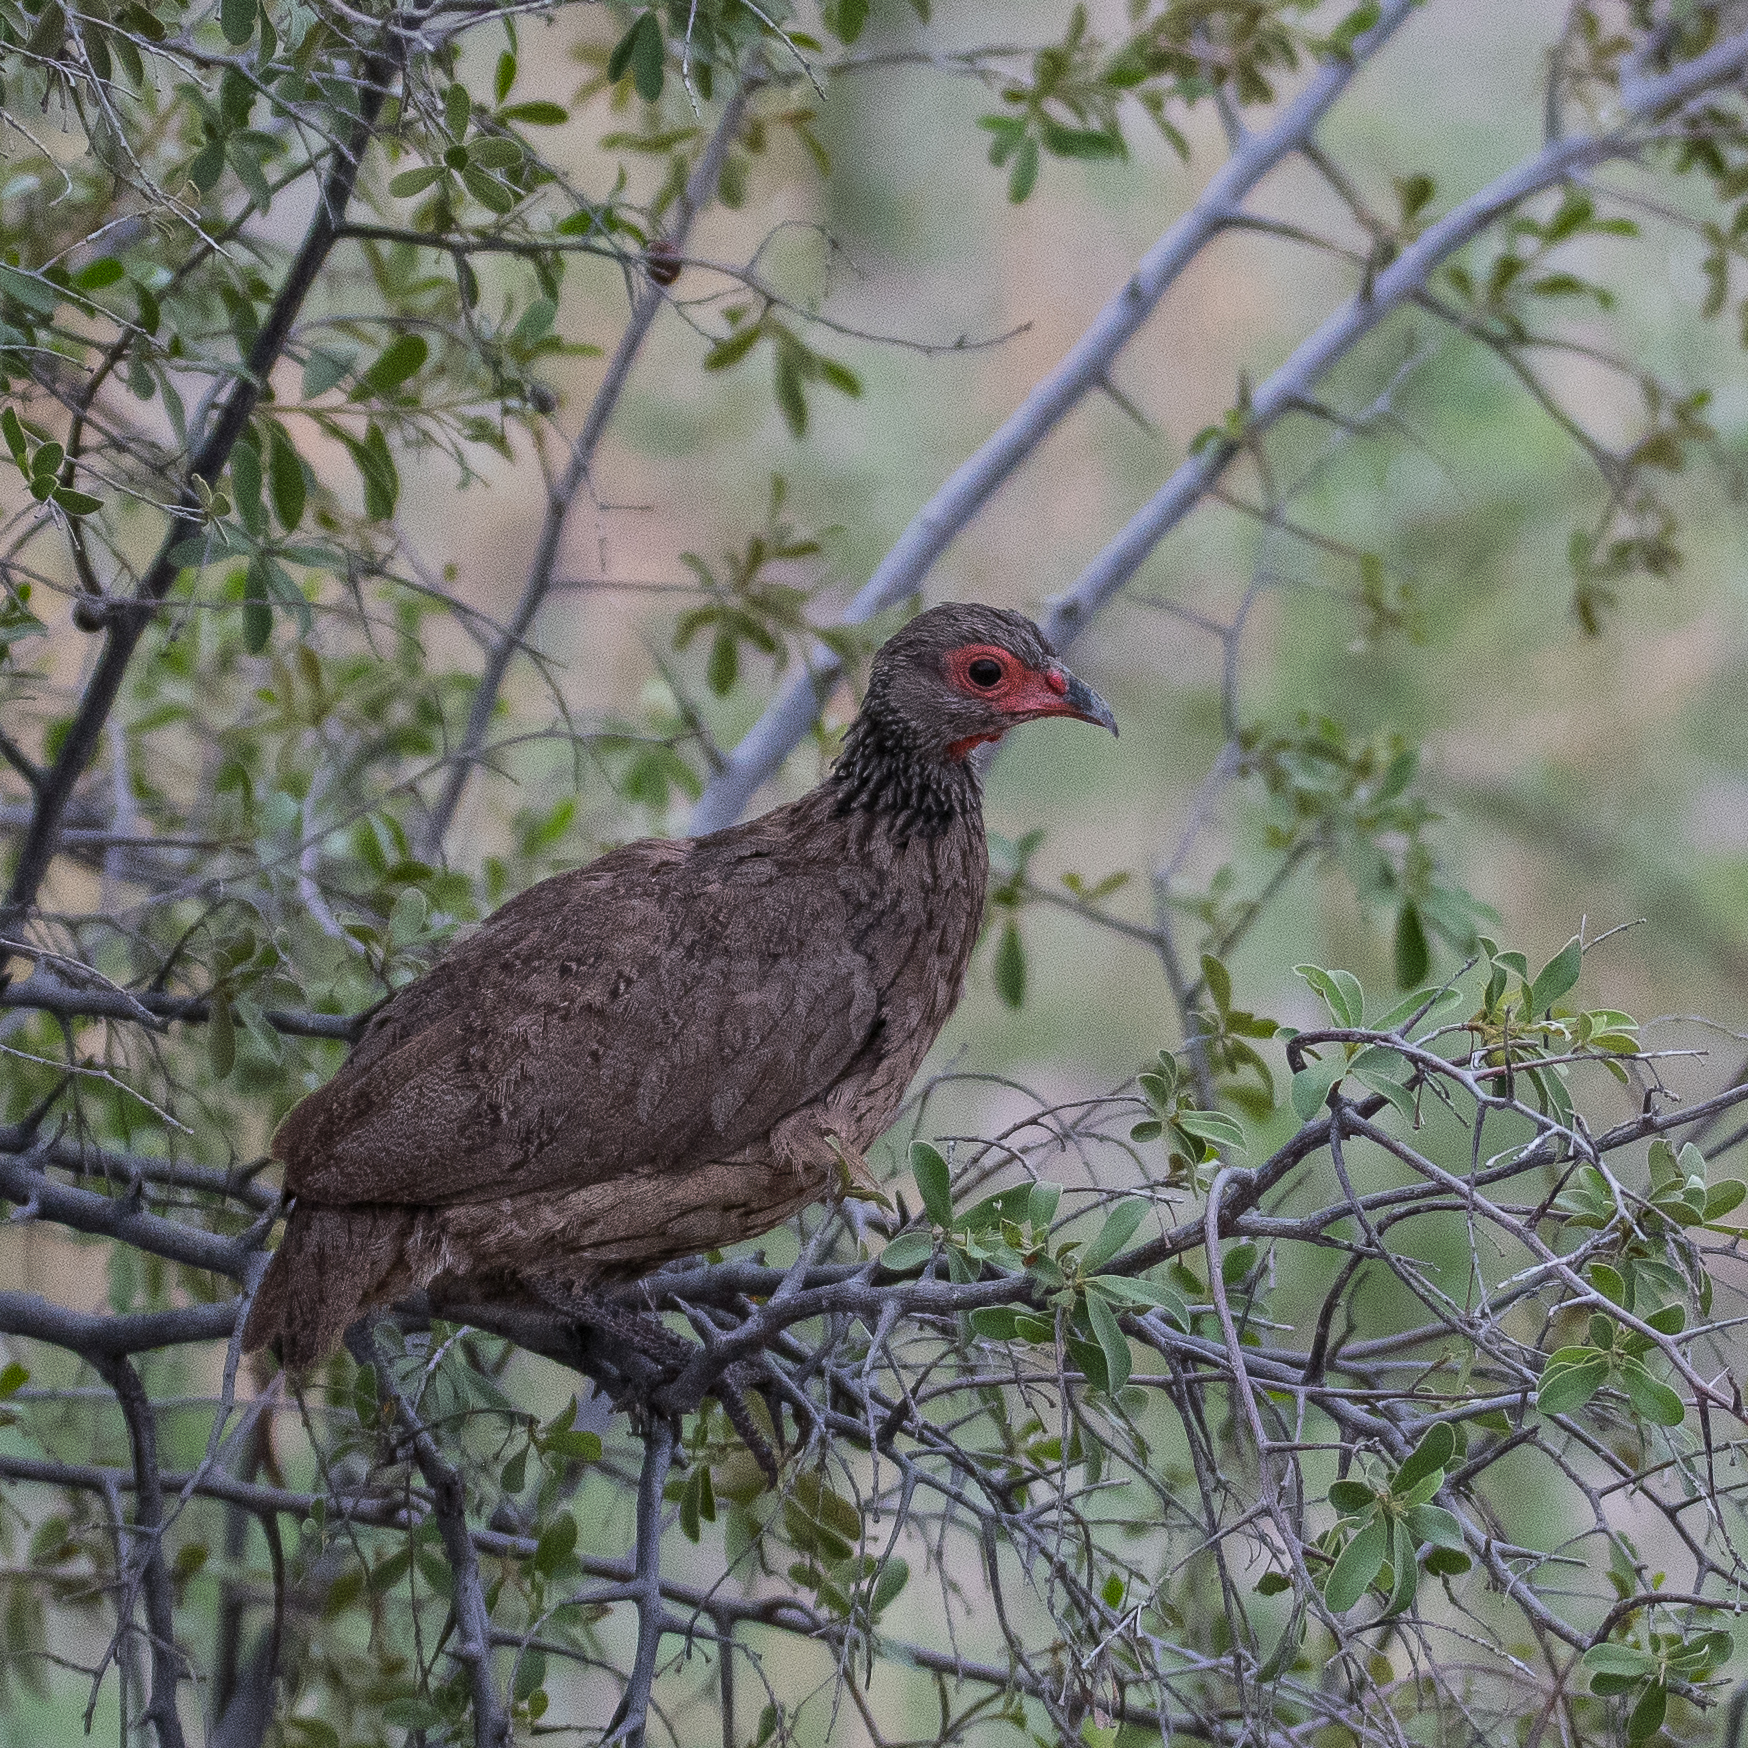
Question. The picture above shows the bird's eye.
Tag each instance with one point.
(984, 672)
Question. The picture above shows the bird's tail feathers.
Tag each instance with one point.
(332, 1264)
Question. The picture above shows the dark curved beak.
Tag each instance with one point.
(1082, 701)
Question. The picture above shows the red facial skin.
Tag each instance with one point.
(1023, 694)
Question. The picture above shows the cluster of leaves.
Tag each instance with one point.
(748, 602)
(1389, 1527)
(40, 463)
(1194, 1137)
(1075, 1301)
(794, 363)
(1643, 1676)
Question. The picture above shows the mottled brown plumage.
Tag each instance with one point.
(673, 1047)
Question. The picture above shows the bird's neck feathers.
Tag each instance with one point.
(886, 769)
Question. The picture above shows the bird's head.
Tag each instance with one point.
(954, 679)
(959, 676)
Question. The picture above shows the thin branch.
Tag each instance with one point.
(627, 1722)
(53, 995)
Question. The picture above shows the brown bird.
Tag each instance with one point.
(678, 1045)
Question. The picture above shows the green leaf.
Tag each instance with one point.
(323, 369)
(1404, 1569)
(1413, 958)
(555, 1544)
(496, 154)
(1557, 976)
(1042, 1201)
(536, 114)
(411, 182)
(786, 380)
(1351, 1497)
(491, 194)
(1273, 1583)
(403, 357)
(1358, 1565)
(724, 666)
(1612, 1659)
(1310, 1089)
(1564, 1388)
(1432, 1523)
(894, 1575)
(734, 348)
(285, 479)
(1214, 1126)
(1119, 1227)
(13, 431)
(530, 1674)
(933, 1182)
(1431, 1455)
(104, 271)
(1341, 993)
(237, 20)
(457, 110)
(1651, 1396)
(1724, 1197)
(1236, 1264)
(1023, 176)
(995, 1322)
(907, 1251)
(39, 296)
(846, 19)
(246, 487)
(1010, 965)
(75, 502)
(838, 376)
(575, 1445)
(1079, 142)
(1144, 1294)
(257, 613)
(376, 468)
(641, 52)
(1113, 1343)
(1646, 1718)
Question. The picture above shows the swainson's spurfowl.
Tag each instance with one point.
(678, 1045)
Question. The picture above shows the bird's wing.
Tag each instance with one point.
(653, 1010)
